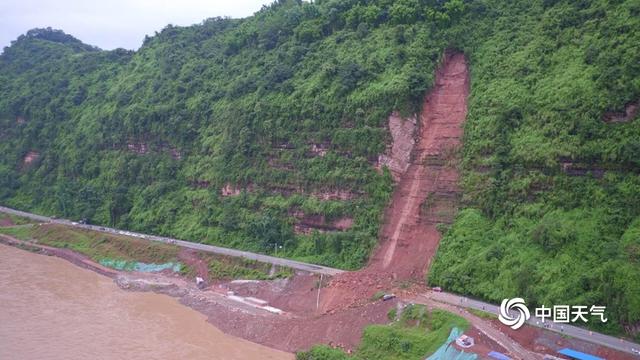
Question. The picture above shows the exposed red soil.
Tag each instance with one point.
(426, 194)
(192, 259)
(6, 221)
(409, 235)
(307, 223)
(547, 342)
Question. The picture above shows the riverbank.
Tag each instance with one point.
(234, 306)
(54, 309)
(284, 313)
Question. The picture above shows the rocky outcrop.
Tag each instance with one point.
(427, 193)
(336, 194)
(398, 155)
(630, 112)
(308, 223)
(319, 150)
(138, 148)
(30, 157)
(230, 190)
(581, 169)
(200, 184)
(142, 148)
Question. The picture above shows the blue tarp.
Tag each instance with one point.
(578, 355)
(499, 356)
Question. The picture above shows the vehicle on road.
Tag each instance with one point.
(388, 297)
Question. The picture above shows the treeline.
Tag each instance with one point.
(551, 189)
(147, 140)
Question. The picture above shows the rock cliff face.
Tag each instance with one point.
(630, 112)
(398, 155)
(230, 190)
(30, 157)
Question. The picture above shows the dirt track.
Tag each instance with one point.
(428, 191)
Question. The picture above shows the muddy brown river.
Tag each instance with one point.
(51, 309)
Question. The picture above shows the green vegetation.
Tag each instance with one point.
(482, 314)
(415, 335)
(124, 253)
(542, 79)
(378, 295)
(229, 268)
(10, 219)
(97, 246)
(146, 140)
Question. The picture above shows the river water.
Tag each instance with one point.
(51, 309)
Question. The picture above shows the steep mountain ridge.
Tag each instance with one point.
(291, 105)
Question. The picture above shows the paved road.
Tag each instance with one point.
(513, 348)
(442, 297)
(565, 329)
(186, 244)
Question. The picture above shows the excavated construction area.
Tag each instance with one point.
(428, 191)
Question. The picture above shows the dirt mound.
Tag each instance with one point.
(427, 193)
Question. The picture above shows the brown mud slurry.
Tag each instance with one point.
(428, 190)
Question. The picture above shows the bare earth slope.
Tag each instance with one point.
(427, 192)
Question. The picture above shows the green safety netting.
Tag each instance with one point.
(140, 266)
(448, 352)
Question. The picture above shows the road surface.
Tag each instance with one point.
(441, 297)
(317, 269)
(565, 329)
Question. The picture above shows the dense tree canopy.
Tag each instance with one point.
(146, 140)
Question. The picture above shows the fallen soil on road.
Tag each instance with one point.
(428, 191)
(547, 342)
(304, 310)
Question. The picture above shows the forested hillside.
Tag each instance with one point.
(264, 133)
